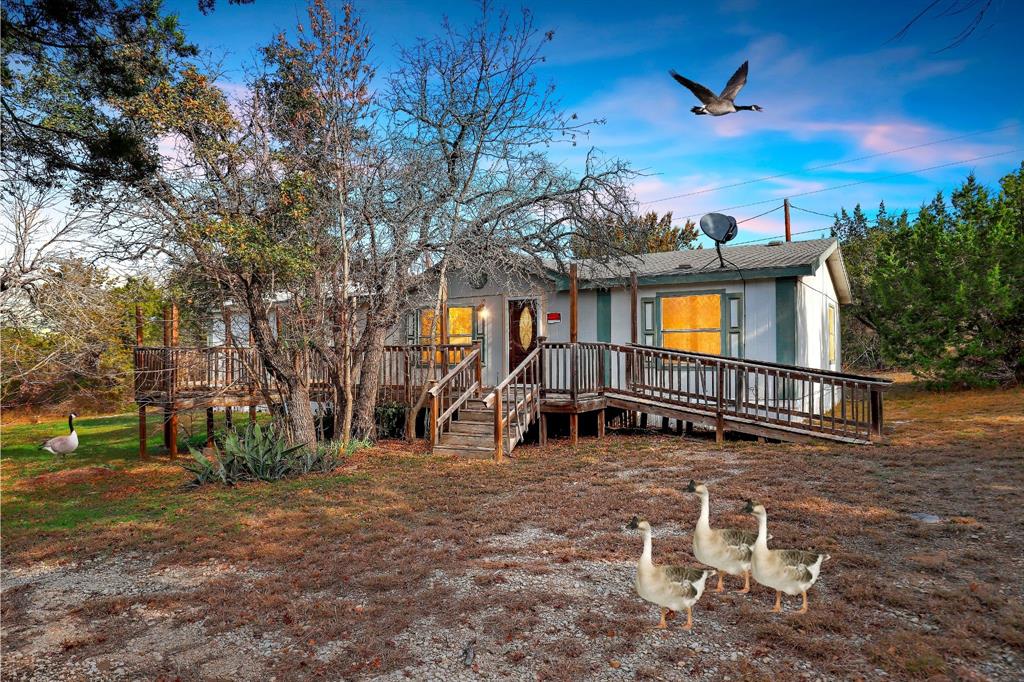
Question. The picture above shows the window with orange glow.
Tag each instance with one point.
(460, 331)
(692, 323)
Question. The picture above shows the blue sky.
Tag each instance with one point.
(832, 88)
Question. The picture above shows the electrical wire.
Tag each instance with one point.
(858, 182)
(739, 222)
(807, 210)
(833, 164)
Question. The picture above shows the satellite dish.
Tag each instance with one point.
(722, 228)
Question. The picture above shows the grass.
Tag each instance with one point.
(393, 562)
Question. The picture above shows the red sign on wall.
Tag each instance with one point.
(554, 318)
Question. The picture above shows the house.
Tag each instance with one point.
(776, 302)
(750, 343)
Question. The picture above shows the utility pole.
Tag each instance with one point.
(789, 233)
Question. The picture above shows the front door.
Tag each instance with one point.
(522, 330)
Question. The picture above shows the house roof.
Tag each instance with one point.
(754, 261)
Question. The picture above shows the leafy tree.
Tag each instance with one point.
(948, 288)
(647, 233)
(68, 67)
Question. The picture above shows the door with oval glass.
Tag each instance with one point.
(522, 330)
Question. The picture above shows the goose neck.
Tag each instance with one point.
(762, 531)
(645, 556)
(704, 520)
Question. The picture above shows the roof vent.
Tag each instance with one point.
(684, 266)
(774, 243)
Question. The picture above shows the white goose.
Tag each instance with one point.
(63, 445)
(792, 571)
(727, 549)
(673, 588)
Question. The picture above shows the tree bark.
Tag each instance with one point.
(365, 418)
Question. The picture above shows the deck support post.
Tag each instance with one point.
(543, 429)
(633, 308)
(172, 422)
(689, 429)
(720, 430)
(142, 431)
(643, 420)
(209, 427)
(433, 415)
(499, 428)
(574, 428)
(228, 421)
(679, 427)
(172, 429)
(876, 414)
(600, 424)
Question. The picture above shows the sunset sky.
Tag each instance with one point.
(835, 88)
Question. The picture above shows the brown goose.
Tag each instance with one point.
(718, 105)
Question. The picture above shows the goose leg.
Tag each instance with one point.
(803, 609)
(746, 583)
(689, 618)
(778, 602)
(721, 587)
(662, 625)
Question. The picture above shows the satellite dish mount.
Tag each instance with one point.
(721, 228)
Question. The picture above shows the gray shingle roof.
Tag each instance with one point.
(692, 261)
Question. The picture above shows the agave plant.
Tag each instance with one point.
(256, 454)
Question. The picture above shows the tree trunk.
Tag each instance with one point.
(301, 424)
(365, 418)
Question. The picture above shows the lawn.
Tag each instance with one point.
(404, 566)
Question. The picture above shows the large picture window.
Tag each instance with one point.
(692, 323)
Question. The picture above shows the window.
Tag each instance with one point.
(692, 323)
(734, 324)
(464, 328)
(831, 334)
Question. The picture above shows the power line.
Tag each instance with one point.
(827, 165)
(854, 184)
(759, 214)
(807, 210)
(819, 229)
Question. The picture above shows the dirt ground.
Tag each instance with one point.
(433, 569)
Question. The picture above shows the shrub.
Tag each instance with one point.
(390, 420)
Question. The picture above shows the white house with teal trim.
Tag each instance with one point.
(776, 302)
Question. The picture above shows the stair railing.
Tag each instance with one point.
(451, 391)
(516, 398)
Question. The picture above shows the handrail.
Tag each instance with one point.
(452, 391)
(751, 363)
(818, 402)
(455, 370)
(520, 368)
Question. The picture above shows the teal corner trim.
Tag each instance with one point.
(604, 315)
(785, 320)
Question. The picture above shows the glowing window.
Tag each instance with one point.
(692, 323)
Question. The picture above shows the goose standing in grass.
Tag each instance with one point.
(673, 588)
(63, 445)
(792, 571)
(727, 549)
(718, 105)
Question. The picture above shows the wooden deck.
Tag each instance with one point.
(759, 398)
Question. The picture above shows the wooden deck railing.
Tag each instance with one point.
(451, 391)
(808, 400)
(236, 371)
(516, 401)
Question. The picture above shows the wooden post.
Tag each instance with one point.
(142, 430)
(689, 429)
(209, 426)
(600, 424)
(876, 413)
(543, 429)
(478, 367)
(789, 233)
(167, 377)
(574, 428)
(499, 428)
(719, 418)
(720, 429)
(433, 415)
(172, 423)
(633, 308)
(229, 363)
(679, 427)
(142, 408)
(574, 304)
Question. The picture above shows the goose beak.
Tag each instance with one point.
(633, 524)
(749, 508)
(692, 488)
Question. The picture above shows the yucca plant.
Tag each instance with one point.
(255, 454)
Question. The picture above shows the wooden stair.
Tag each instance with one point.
(472, 433)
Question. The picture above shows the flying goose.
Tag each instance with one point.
(63, 445)
(718, 105)
(673, 588)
